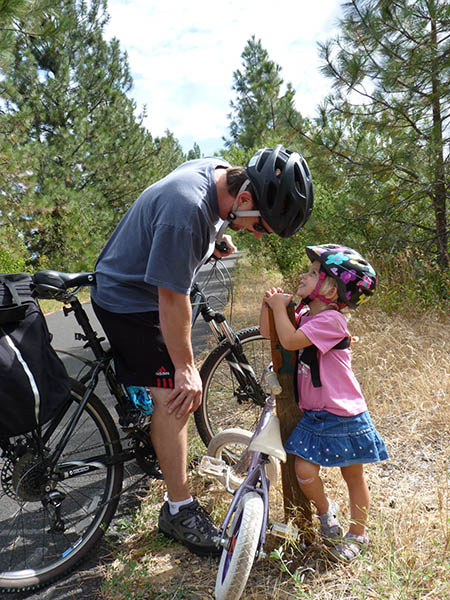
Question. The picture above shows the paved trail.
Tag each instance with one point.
(85, 582)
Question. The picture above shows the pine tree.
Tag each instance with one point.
(85, 155)
(27, 18)
(261, 110)
(387, 121)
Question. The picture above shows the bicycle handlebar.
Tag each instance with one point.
(274, 384)
(222, 246)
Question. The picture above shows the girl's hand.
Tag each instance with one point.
(272, 291)
(277, 299)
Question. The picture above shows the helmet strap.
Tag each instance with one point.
(242, 213)
(233, 214)
(315, 293)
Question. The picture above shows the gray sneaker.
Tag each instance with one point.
(192, 526)
(330, 528)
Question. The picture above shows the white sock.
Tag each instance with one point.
(174, 507)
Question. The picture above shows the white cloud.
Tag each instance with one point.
(182, 57)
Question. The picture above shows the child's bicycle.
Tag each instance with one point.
(231, 454)
(60, 484)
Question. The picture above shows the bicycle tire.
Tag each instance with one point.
(231, 446)
(35, 551)
(236, 561)
(225, 404)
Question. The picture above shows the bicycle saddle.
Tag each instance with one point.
(48, 283)
(269, 441)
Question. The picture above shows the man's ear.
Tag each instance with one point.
(245, 201)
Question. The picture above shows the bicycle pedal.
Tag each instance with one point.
(214, 467)
(217, 468)
(283, 530)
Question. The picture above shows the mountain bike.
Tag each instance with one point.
(61, 483)
(247, 464)
(233, 388)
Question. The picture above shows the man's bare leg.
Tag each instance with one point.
(169, 438)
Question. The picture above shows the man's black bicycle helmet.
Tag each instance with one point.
(283, 187)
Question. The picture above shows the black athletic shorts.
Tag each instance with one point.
(140, 354)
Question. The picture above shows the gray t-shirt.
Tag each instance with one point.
(161, 241)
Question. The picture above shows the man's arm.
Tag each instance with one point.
(175, 317)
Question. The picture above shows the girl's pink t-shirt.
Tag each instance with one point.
(340, 392)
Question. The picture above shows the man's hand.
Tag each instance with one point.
(225, 247)
(175, 313)
(186, 396)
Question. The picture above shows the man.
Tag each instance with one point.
(144, 275)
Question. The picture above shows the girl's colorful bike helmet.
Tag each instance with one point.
(355, 277)
(283, 187)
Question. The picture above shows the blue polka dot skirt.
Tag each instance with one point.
(329, 440)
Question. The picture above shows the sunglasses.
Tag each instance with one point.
(259, 227)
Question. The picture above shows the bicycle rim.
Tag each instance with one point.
(225, 403)
(36, 547)
(237, 559)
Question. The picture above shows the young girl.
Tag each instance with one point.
(336, 429)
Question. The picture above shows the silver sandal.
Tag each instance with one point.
(349, 547)
(330, 528)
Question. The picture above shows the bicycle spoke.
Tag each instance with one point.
(47, 525)
(228, 402)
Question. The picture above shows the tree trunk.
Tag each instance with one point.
(296, 506)
(439, 188)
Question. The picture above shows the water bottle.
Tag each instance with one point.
(141, 399)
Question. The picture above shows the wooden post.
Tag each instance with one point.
(296, 506)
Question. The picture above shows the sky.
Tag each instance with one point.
(182, 56)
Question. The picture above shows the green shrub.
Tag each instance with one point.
(13, 254)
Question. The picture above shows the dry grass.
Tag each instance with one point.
(402, 362)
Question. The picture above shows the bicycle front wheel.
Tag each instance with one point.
(226, 402)
(50, 520)
(237, 558)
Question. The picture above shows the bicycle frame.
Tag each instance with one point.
(256, 479)
(51, 284)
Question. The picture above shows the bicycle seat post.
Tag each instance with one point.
(90, 336)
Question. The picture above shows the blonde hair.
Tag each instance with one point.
(328, 283)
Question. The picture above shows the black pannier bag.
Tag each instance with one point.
(33, 380)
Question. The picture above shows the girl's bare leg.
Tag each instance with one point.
(311, 484)
(359, 497)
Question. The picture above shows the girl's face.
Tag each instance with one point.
(309, 280)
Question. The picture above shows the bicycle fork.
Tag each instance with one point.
(256, 481)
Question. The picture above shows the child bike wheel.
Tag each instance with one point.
(231, 445)
(237, 557)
